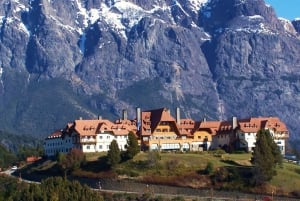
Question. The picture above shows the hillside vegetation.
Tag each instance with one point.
(217, 170)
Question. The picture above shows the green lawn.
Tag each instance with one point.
(287, 178)
(181, 163)
(188, 168)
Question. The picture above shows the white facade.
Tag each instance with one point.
(247, 140)
(200, 146)
(88, 144)
(105, 139)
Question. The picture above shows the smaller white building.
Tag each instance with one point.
(90, 136)
(242, 133)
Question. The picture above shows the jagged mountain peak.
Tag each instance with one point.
(218, 15)
(296, 24)
(60, 59)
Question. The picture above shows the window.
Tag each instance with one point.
(108, 137)
(107, 146)
(100, 137)
(88, 147)
(100, 146)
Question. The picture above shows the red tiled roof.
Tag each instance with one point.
(152, 118)
(55, 134)
(211, 126)
(89, 127)
(254, 124)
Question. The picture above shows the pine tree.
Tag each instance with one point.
(114, 154)
(132, 146)
(266, 156)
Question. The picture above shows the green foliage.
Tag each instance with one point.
(132, 148)
(114, 154)
(209, 168)
(71, 161)
(6, 158)
(153, 158)
(26, 151)
(218, 152)
(51, 189)
(13, 142)
(266, 156)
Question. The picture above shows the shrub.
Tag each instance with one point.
(218, 153)
(209, 168)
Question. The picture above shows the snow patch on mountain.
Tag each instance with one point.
(2, 19)
(255, 17)
(197, 4)
(260, 29)
(288, 26)
(122, 15)
(1, 72)
(23, 28)
(82, 42)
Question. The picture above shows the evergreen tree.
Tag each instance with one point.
(71, 161)
(266, 156)
(132, 146)
(114, 154)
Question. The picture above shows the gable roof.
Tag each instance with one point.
(152, 118)
(254, 124)
(55, 134)
(211, 126)
(89, 127)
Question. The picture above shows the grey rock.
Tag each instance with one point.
(62, 60)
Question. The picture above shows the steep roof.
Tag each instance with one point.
(256, 123)
(251, 125)
(211, 126)
(55, 134)
(98, 126)
(276, 124)
(151, 119)
(90, 127)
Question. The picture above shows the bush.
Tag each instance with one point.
(128, 172)
(218, 152)
(209, 168)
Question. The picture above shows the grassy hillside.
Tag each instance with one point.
(228, 171)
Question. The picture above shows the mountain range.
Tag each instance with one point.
(65, 59)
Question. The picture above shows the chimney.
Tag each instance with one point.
(99, 117)
(178, 115)
(124, 114)
(80, 118)
(234, 123)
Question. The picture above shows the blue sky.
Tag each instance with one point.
(289, 9)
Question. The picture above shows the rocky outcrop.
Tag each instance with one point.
(296, 24)
(60, 60)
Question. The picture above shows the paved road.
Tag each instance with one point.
(127, 186)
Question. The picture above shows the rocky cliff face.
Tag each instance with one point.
(63, 59)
